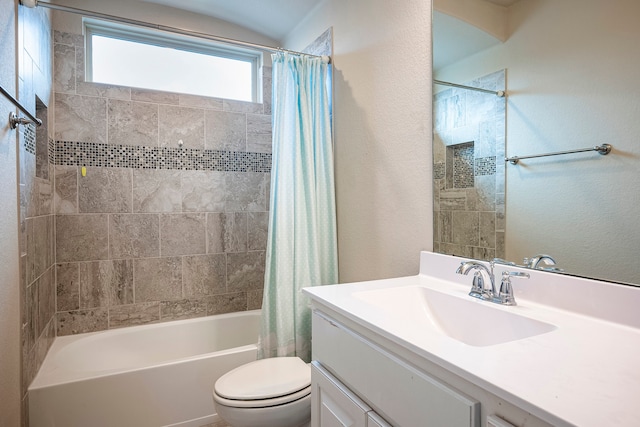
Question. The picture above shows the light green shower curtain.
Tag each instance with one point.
(301, 246)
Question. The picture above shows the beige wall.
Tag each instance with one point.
(572, 83)
(382, 131)
(9, 271)
(489, 17)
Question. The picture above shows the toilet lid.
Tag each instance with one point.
(264, 379)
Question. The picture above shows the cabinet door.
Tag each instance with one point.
(332, 404)
(374, 420)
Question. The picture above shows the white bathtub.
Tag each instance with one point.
(151, 375)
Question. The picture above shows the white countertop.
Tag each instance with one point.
(584, 373)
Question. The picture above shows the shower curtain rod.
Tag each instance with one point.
(499, 93)
(14, 119)
(92, 14)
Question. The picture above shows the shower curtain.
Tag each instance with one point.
(301, 245)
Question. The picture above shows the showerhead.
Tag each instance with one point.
(29, 3)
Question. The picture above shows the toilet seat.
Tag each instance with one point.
(263, 403)
(264, 383)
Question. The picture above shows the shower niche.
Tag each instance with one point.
(43, 145)
(459, 166)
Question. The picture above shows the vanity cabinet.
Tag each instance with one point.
(420, 352)
(358, 379)
(349, 367)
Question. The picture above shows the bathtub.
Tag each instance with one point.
(151, 375)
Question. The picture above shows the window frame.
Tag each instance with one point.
(166, 39)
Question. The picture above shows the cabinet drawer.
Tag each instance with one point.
(494, 421)
(402, 394)
(374, 420)
(332, 404)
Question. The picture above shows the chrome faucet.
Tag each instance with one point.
(534, 261)
(481, 277)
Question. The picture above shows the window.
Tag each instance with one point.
(131, 56)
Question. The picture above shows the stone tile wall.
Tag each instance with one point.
(154, 230)
(469, 211)
(37, 222)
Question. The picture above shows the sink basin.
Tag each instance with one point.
(473, 322)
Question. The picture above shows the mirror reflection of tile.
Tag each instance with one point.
(469, 183)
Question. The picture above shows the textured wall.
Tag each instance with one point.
(154, 231)
(382, 131)
(36, 193)
(469, 136)
(9, 246)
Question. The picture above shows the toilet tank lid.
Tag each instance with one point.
(264, 379)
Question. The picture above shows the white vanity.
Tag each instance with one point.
(418, 351)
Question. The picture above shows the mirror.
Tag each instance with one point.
(569, 68)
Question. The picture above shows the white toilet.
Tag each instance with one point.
(272, 392)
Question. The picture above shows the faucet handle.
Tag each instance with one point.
(503, 261)
(477, 288)
(505, 296)
(514, 274)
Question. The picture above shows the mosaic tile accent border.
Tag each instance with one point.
(74, 153)
(52, 150)
(29, 132)
(485, 166)
(439, 170)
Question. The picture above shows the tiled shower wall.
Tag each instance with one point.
(469, 170)
(168, 218)
(37, 232)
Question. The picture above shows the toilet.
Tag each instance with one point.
(272, 392)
